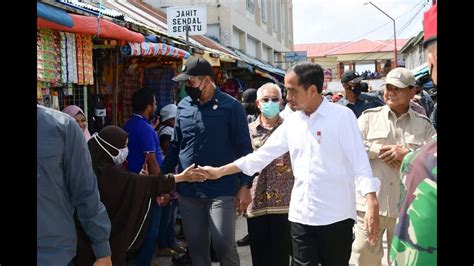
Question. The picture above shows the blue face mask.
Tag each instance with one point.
(270, 109)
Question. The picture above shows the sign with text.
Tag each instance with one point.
(192, 17)
(295, 56)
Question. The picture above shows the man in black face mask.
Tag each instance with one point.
(358, 100)
(248, 102)
(210, 129)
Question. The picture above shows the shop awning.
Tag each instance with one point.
(88, 25)
(54, 14)
(259, 64)
(153, 49)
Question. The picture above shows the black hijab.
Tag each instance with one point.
(113, 135)
(127, 197)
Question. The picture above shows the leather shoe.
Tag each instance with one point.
(245, 241)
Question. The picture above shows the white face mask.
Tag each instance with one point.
(121, 156)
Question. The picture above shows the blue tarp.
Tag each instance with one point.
(54, 14)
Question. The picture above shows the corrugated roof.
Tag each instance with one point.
(338, 48)
(200, 40)
(95, 9)
(413, 41)
(318, 49)
(257, 63)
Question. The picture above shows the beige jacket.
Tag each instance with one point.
(380, 126)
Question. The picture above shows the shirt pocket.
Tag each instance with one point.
(213, 121)
(49, 147)
(414, 141)
(187, 123)
(377, 136)
(50, 166)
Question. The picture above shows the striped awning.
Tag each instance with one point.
(153, 49)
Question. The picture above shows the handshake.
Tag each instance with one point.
(198, 174)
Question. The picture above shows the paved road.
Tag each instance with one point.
(244, 252)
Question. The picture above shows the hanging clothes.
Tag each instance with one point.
(232, 87)
(131, 82)
(159, 79)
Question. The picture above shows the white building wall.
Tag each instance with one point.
(415, 58)
(224, 16)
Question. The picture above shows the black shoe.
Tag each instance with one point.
(245, 241)
(182, 259)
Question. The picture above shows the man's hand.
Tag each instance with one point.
(191, 174)
(212, 173)
(371, 218)
(105, 261)
(393, 155)
(144, 170)
(243, 199)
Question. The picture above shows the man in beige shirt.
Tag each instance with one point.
(389, 133)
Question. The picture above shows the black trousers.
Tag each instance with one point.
(270, 243)
(326, 245)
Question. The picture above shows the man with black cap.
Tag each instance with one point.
(415, 241)
(358, 100)
(249, 96)
(211, 129)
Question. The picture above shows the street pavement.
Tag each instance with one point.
(244, 252)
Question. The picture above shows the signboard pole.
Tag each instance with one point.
(188, 47)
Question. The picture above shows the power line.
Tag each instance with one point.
(362, 57)
(353, 40)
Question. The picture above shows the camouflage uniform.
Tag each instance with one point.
(415, 241)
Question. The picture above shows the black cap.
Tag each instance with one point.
(249, 95)
(351, 75)
(195, 66)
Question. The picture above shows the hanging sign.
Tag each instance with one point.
(192, 17)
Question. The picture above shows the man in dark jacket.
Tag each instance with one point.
(211, 129)
(358, 100)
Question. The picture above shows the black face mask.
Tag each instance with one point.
(250, 108)
(194, 92)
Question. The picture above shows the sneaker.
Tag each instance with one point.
(245, 241)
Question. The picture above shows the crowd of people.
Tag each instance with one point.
(318, 179)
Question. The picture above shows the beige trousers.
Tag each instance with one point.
(362, 251)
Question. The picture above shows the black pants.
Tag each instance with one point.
(270, 242)
(327, 244)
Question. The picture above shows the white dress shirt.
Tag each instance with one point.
(328, 166)
(286, 111)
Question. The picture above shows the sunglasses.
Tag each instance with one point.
(272, 99)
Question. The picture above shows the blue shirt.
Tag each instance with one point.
(66, 183)
(215, 134)
(141, 140)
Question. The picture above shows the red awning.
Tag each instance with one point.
(88, 25)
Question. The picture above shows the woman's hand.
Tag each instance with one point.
(190, 174)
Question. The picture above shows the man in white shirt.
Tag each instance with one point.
(329, 163)
(287, 110)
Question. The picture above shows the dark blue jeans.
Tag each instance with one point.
(147, 249)
(168, 219)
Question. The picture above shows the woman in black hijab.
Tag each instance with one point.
(126, 196)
